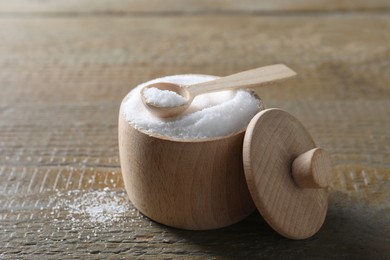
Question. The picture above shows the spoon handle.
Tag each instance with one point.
(249, 78)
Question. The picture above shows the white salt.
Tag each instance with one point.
(209, 115)
(98, 206)
(163, 98)
(101, 206)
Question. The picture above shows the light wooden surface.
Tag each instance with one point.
(66, 65)
(178, 7)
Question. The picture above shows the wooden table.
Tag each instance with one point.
(66, 65)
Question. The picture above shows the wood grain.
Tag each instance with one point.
(358, 194)
(334, 60)
(63, 75)
(176, 7)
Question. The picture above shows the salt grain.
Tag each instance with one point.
(163, 98)
(209, 115)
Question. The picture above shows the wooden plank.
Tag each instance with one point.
(61, 82)
(188, 7)
(138, 236)
(40, 178)
(83, 60)
(354, 132)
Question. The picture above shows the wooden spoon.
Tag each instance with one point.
(250, 78)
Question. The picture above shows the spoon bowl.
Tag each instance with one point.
(162, 111)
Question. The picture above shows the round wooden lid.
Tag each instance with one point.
(286, 174)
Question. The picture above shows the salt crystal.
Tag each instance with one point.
(163, 98)
(209, 115)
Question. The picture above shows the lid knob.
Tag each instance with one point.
(312, 169)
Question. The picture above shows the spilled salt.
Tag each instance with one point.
(209, 115)
(163, 98)
(100, 206)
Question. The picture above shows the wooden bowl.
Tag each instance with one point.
(190, 184)
(273, 164)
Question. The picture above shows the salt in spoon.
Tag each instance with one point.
(250, 78)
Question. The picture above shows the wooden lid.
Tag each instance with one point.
(286, 174)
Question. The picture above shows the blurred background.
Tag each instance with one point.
(65, 66)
